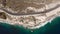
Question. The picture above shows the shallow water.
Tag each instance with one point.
(50, 28)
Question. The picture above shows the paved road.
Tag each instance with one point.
(18, 14)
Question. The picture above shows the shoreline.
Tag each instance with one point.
(44, 19)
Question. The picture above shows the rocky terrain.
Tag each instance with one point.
(21, 7)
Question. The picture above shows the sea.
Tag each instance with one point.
(52, 27)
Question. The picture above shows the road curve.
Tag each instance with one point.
(18, 14)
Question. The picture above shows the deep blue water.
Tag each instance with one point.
(50, 28)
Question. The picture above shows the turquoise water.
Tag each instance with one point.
(50, 28)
